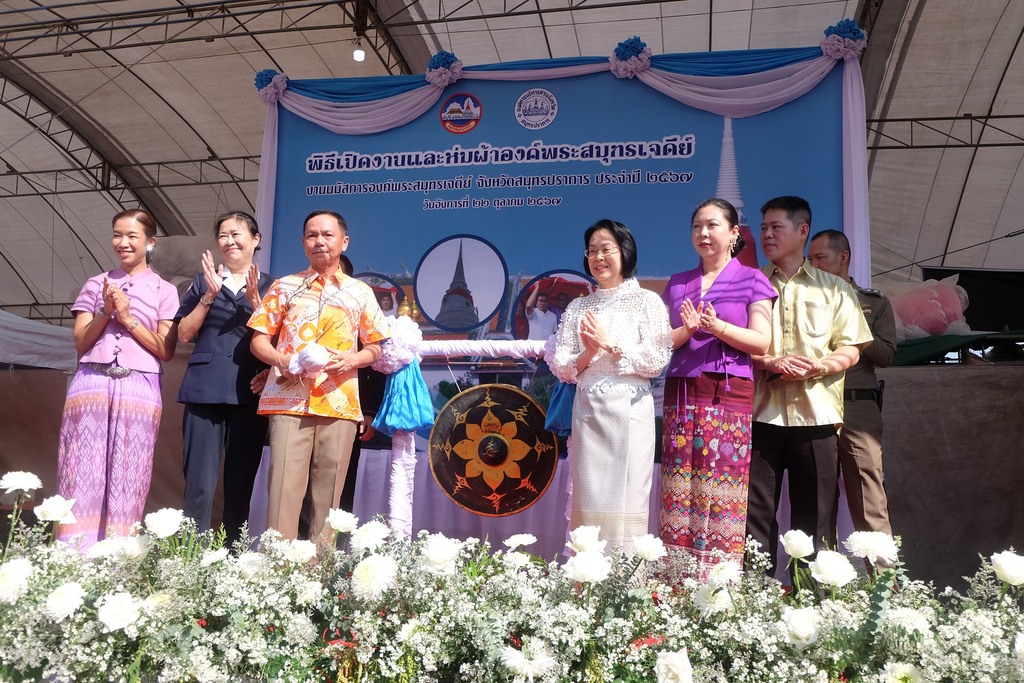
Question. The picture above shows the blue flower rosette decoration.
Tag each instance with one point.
(630, 58)
(271, 85)
(844, 41)
(444, 69)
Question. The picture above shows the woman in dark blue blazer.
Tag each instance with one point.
(220, 421)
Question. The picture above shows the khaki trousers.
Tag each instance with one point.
(306, 450)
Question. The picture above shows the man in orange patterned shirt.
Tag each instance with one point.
(313, 417)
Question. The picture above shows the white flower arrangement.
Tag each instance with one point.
(172, 604)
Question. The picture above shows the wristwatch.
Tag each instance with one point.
(616, 350)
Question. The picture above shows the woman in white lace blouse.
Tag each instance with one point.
(611, 343)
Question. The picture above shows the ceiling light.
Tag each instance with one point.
(358, 54)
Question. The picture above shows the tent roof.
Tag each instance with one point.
(112, 103)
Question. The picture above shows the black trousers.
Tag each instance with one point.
(214, 433)
(811, 458)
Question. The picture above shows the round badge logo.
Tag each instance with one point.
(536, 108)
(490, 452)
(461, 112)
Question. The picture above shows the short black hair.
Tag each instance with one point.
(242, 217)
(346, 265)
(798, 211)
(623, 237)
(837, 241)
(326, 212)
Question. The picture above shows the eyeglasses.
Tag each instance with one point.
(604, 252)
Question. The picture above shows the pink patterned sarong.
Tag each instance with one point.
(105, 456)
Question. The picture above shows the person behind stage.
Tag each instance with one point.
(720, 313)
(860, 441)
(817, 333)
(313, 418)
(220, 424)
(611, 343)
(542, 321)
(123, 330)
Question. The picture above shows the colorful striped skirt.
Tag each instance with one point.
(705, 467)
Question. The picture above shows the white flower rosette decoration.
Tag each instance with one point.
(586, 538)
(118, 611)
(342, 521)
(369, 536)
(588, 566)
(648, 548)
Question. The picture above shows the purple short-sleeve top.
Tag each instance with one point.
(152, 299)
(736, 287)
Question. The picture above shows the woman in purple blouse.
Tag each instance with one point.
(720, 314)
(123, 329)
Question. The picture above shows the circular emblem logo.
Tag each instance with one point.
(536, 108)
(461, 112)
(490, 452)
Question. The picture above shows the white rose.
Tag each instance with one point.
(251, 564)
(1009, 567)
(373, 576)
(899, 672)
(588, 566)
(832, 569)
(342, 521)
(873, 546)
(802, 626)
(520, 541)
(164, 523)
(673, 667)
(369, 536)
(117, 611)
(648, 547)
(14, 577)
(20, 482)
(798, 545)
(440, 554)
(584, 538)
(724, 573)
(56, 509)
(710, 600)
(65, 600)
(300, 551)
(211, 557)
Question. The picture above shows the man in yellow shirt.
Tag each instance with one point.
(313, 417)
(818, 330)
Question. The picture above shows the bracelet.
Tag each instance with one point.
(104, 313)
(722, 331)
(133, 325)
(824, 371)
(206, 303)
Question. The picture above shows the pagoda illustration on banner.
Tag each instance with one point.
(729, 190)
(457, 309)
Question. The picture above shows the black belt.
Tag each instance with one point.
(860, 394)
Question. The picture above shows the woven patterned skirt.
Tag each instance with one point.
(705, 466)
(105, 455)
